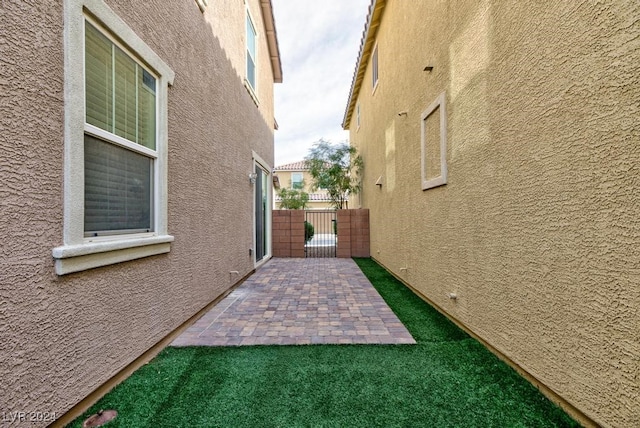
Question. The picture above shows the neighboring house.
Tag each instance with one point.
(502, 153)
(296, 176)
(136, 158)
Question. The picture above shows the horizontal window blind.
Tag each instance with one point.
(98, 80)
(120, 94)
(125, 96)
(118, 189)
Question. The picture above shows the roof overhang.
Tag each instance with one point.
(367, 43)
(272, 39)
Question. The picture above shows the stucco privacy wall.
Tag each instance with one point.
(63, 336)
(537, 230)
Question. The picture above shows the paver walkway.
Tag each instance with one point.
(299, 302)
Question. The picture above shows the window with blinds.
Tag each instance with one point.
(251, 52)
(120, 98)
(117, 190)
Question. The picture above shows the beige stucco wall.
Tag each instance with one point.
(537, 230)
(319, 205)
(311, 205)
(63, 336)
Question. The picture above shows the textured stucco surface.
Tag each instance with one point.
(538, 228)
(62, 337)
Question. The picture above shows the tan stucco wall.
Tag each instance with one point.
(312, 206)
(229, 25)
(537, 230)
(63, 336)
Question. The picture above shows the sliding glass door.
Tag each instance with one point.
(262, 213)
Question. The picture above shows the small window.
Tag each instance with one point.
(251, 52)
(297, 181)
(434, 144)
(358, 115)
(374, 67)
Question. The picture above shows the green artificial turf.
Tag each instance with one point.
(447, 380)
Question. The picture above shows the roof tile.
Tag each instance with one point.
(294, 166)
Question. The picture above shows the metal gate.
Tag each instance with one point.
(320, 233)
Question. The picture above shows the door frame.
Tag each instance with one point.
(257, 161)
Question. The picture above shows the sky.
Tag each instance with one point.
(319, 43)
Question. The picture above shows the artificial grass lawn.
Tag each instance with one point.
(447, 380)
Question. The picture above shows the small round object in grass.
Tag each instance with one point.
(100, 418)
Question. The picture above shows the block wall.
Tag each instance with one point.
(288, 233)
(353, 233)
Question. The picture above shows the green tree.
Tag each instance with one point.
(336, 168)
(293, 199)
(308, 231)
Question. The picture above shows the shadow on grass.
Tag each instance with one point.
(447, 380)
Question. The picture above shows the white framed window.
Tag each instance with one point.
(434, 144)
(119, 139)
(252, 36)
(115, 171)
(374, 68)
(297, 180)
(358, 116)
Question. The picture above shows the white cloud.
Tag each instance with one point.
(319, 43)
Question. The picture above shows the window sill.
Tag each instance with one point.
(202, 4)
(434, 182)
(76, 258)
(251, 91)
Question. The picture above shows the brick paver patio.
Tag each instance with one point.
(300, 302)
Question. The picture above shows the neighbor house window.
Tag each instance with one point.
(358, 115)
(251, 52)
(115, 190)
(296, 180)
(374, 67)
